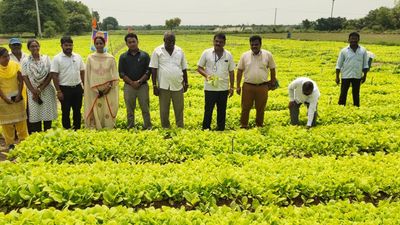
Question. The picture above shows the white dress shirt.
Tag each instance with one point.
(296, 94)
(68, 68)
(15, 59)
(169, 67)
(351, 63)
(219, 67)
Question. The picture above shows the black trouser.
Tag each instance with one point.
(295, 111)
(37, 127)
(220, 99)
(355, 87)
(72, 99)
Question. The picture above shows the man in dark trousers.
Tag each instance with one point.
(353, 64)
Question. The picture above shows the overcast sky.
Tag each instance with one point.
(223, 12)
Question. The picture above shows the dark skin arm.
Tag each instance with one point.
(238, 81)
(56, 82)
(135, 83)
(337, 76)
(35, 91)
(365, 71)
(156, 91)
(82, 73)
(203, 72)
(185, 81)
(20, 86)
(232, 82)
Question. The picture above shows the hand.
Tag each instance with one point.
(8, 101)
(156, 91)
(208, 77)
(272, 83)
(230, 92)
(36, 92)
(185, 87)
(100, 94)
(337, 80)
(135, 84)
(363, 79)
(238, 90)
(292, 104)
(36, 98)
(60, 96)
(18, 98)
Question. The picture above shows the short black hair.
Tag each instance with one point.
(308, 86)
(220, 36)
(255, 38)
(3, 51)
(99, 37)
(30, 41)
(66, 39)
(131, 35)
(355, 34)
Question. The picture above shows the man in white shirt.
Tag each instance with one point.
(303, 90)
(217, 66)
(169, 76)
(68, 72)
(352, 63)
(16, 54)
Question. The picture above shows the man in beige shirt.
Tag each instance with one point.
(255, 65)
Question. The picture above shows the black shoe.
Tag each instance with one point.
(11, 147)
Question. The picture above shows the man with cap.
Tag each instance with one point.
(16, 54)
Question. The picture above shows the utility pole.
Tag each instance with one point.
(276, 12)
(333, 4)
(38, 19)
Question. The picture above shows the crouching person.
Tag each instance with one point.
(303, 90)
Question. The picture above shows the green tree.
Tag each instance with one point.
(306, 24)
(20, 15)
(50, 29)
(110, 23)
(79, 18)
(172, 23)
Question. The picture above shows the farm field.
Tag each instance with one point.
(343, 171)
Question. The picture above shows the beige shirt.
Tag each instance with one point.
(255, 67)
(169, 67)
(68, 68)
(218, 67)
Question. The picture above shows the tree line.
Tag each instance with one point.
(57, 16)
(380, 19)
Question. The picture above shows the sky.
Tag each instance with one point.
(230, 12)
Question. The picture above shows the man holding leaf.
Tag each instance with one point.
(217, 66)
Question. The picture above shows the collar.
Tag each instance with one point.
(259, 53)
(64, 55)
(130, 53)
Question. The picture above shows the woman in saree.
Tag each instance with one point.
(42, 102)
(101, 88)
(12, 106)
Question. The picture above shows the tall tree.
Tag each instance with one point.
(20, 15)
(110, 23)
(78, 17)
(172, 23)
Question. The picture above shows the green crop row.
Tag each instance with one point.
(165, 146)
(341, 212)
(247, 181)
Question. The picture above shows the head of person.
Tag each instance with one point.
(219, 41)
(132, 41)
(4, 56)
(33, 46)
(99, 43)
(255, 44)
(354, 38)
(15, 45)
(67, 45)
(308, 88)
(169, 40)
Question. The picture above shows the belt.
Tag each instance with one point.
(260, 84)
(74, 86)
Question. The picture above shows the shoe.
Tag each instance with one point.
(11, 147)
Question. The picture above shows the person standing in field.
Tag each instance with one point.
(134, 70)
(42, 102)
(17, 55)
(170, 81)
(353, 64)
(68, 72)
(217, 66)
(303, 90)
(12, 108)
(254, 64)
(101, 88)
